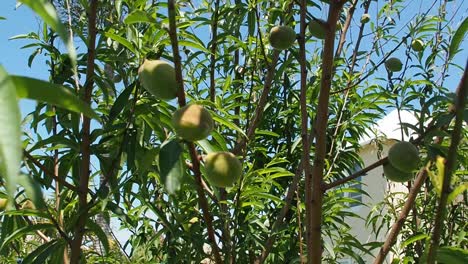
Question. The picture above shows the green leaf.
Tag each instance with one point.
(138, 16)
(413, 239)
(228, 124)
(120, 102)
(171, 166)
(206, 146)
(121, 40)
(24, 231)
(193, 45)
(53, 94)
(458, 38)
(97, 230)
(10, 133)
(42, 252)
(457, 191)
(452, 255)
(33, 191)
(47, 12)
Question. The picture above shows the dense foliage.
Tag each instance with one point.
(99, 151)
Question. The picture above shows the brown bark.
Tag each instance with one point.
(450, 163)
(192, 151)
(79, 229)
(315, 190)
(396, 227)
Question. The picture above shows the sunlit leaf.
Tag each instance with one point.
(456, 192)
(138, 16)
(458, 38)
(50, 93)
(10, 132)
(47, 12)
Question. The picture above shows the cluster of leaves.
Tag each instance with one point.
(161, 214)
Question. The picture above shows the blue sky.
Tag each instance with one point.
(14, 59)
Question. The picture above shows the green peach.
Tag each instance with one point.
(222, 169)
(404, 156)
(393, 64)
(395, 174)
(282, 37)
(365, 18)
(158, 78)
(417, 45)
(192, 122)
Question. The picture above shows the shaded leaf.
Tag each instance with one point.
(24, 231)
(43, 252)
(97, 230)
(33, 190)
(452, 255)
(171, 166)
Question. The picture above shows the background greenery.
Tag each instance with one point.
(228, 66)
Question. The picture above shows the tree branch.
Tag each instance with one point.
(314, 199)
(356, 174)
(79, 229)
(48, 172)
(214, 43)
(396, 228)
(260, 105)
(450, 163)
(192, 151)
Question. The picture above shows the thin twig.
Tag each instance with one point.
(70, 29)
(279, 219)
(306, 168)
(214, 43)
(371, 71)
(450, 163)
(49, 173)
(260, 105)
(345, 28)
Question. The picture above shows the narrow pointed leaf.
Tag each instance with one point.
(49, 15)
(44, 251)
(171, 166)
(10, 133)
(24, 231)
(97, 230)
(47, 12)
(452, 255)
(53, 94)
(458, 38)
